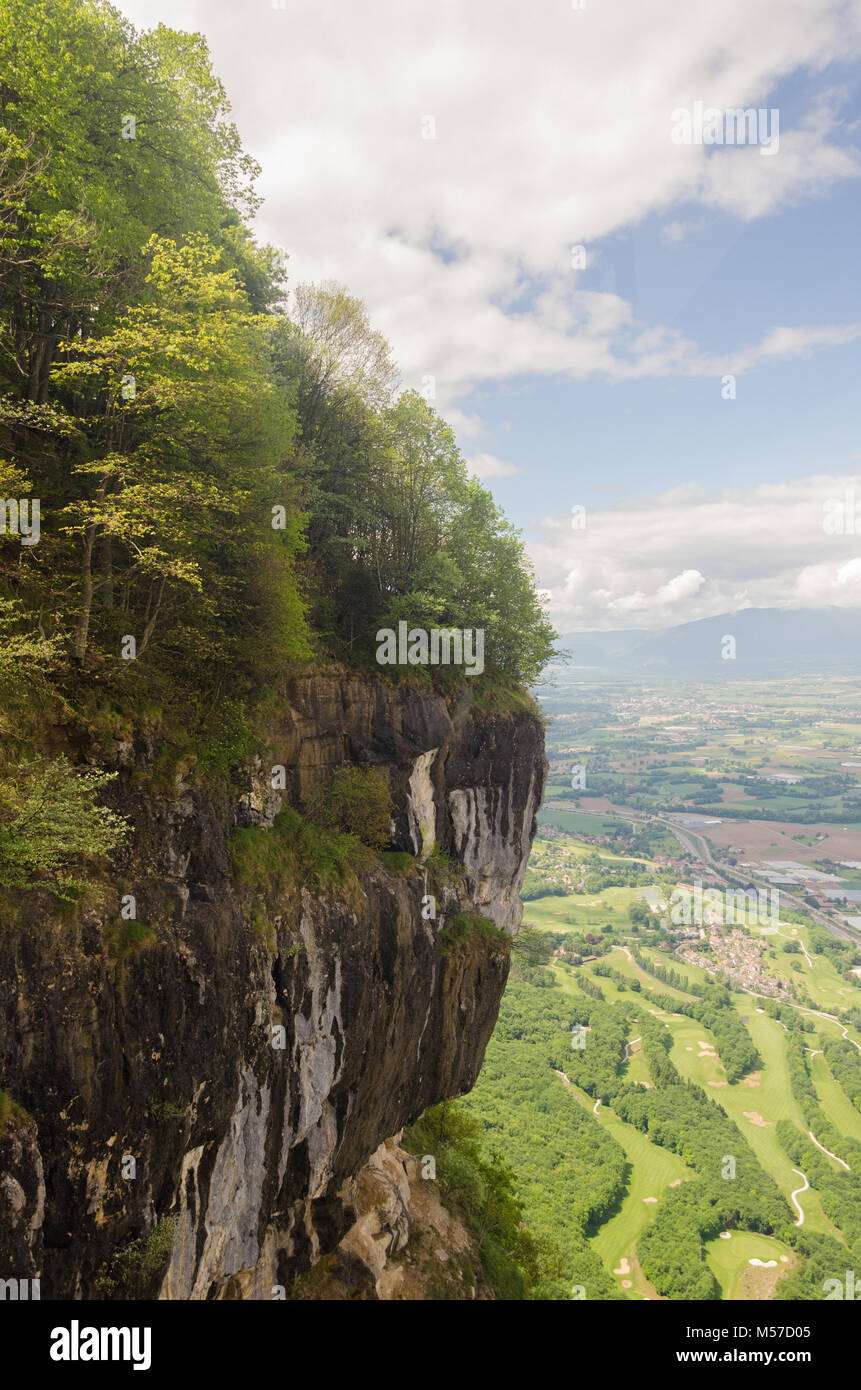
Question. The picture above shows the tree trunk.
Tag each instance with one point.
(150, 626)
(106, 557)
(83, 628)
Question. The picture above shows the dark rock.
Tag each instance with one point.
(163, 1053)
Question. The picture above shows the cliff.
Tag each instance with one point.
(203, 1098)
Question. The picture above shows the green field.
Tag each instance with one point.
(834, 1099)
(580, 822)
(729, 1259)
(670, 746)
(652, 1171)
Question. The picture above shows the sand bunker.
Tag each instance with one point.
(718, 1083)
(624, 1267)
(650, 1199)
(764, 1264)
(756, 1119)
(677, 1182)
(726, 1235)
(752, 1080)
(626, 1283)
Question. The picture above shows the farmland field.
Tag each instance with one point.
(722, 1010)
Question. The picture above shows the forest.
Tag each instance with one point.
(224, 478)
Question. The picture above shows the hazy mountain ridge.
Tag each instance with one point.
(768, 641)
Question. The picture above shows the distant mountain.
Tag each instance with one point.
(767, 642)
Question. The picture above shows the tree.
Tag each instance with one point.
(49, 818)
(108, 134)
(185, 430)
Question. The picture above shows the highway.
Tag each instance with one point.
(698, 847)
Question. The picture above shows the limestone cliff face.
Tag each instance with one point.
(164, 1056)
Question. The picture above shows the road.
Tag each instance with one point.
(697, 846)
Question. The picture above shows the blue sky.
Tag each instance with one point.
(441, 161)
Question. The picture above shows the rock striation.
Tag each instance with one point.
(201, 1110)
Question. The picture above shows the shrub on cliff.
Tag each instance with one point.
(356, 801)
(49, 819)
(476, 1180)
(463, 929)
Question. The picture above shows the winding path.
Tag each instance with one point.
(841, 1161)
(628, 1046)
(793, 1196)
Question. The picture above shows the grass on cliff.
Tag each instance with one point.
(11, 1111)
(462, 929)
(295, 850)
(347, 824)
(123, 940)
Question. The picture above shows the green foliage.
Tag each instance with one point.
(823, 1258)
(223, 739)
(122, 940)
(845, 1062)
(136, 392)
(398, 861)
(210, 470)
(295, 850)
(23, 656)
(165, 1109)
(11, 1112)
(398, 530)
(49, 820)
(356, 801)
(442, 870)
(135, 1271)
(476, 1179)
(462, 929)
(570, 1172)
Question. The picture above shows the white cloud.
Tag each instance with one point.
(487, 466)
(693, 552)
(827, 585)
(676, 590)
(683, 586)
(552, 128)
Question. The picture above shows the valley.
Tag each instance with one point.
(722, 800)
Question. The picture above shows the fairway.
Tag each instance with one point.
(729, 1261)
(767, 1096)
(582, 911)
(652, 1171)
(819, 978)
(834, 1099)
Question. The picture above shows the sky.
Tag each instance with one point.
(649, 346)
